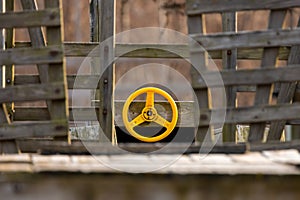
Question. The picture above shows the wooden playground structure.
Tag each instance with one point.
(28, 134)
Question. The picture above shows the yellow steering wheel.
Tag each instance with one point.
(150, 114)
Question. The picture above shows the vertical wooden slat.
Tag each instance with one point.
(104, 28)
(10, 70)
(286, 94)
(57, 72)
(229, 58)
(196, 24)
(5, 146)
(263, 93)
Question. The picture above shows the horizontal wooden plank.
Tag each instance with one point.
(27, 56)
(24, 93)
(86, 50)
(246, 39)
(230, 78)
(89, 114)
(196, 7)
(249, 77)
(48, 17)
(30, 130)
(247, 115)
(82, 81)
(77, 147)
(42, 114)
(244, 115)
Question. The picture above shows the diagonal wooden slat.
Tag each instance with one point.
(264, 92)
(286, 94)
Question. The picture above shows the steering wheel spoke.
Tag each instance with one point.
(150, 99)
(162, 121)
(137, 121)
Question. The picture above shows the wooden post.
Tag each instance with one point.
(229, 58)
(196, 24)
(103, 27)
(57, 72)
(10, 70)
(5, 146)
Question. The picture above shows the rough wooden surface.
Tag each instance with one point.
(88, 49)
(282, 162)
(203, 6)
(247, 39)
(270, 57)
(48, 17)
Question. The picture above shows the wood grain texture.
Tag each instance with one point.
(90, 49)
(229, 62)
(48, 17)
(196, 24)
(8, 146)
(247, 39)
(32, 92)
(30, 130)
(57, 72)
(270, 57)
(196, 7)
(27, 56)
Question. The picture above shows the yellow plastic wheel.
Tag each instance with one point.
(150, 114)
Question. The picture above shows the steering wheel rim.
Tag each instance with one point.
(149, 114)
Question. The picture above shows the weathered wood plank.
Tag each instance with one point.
(30, 130)
(57, 71)
(270, 58)
(41, 114)
(196, 7)
(27, 56)
(266, 75)
(32, 92)
(107, 83)
(77, 147)
(247, 39)
(82, 81)
(37, 41)
(8, 146)
(247, 115)
(196, 24)
(153, 51)
(286, 94)
(240, 78)
(24, 19)
(229, 61)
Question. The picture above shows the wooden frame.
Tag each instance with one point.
(271, 42)
(49, 57)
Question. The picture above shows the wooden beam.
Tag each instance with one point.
(30, 130)
(57, 71)
(248, 115)
(153, 51)
(247, 39)
(27, 56)
(229, 61)
(196, 7)
(32, 92)
(267, 75)
(107, 82)
(24, 19)
(8, 146)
